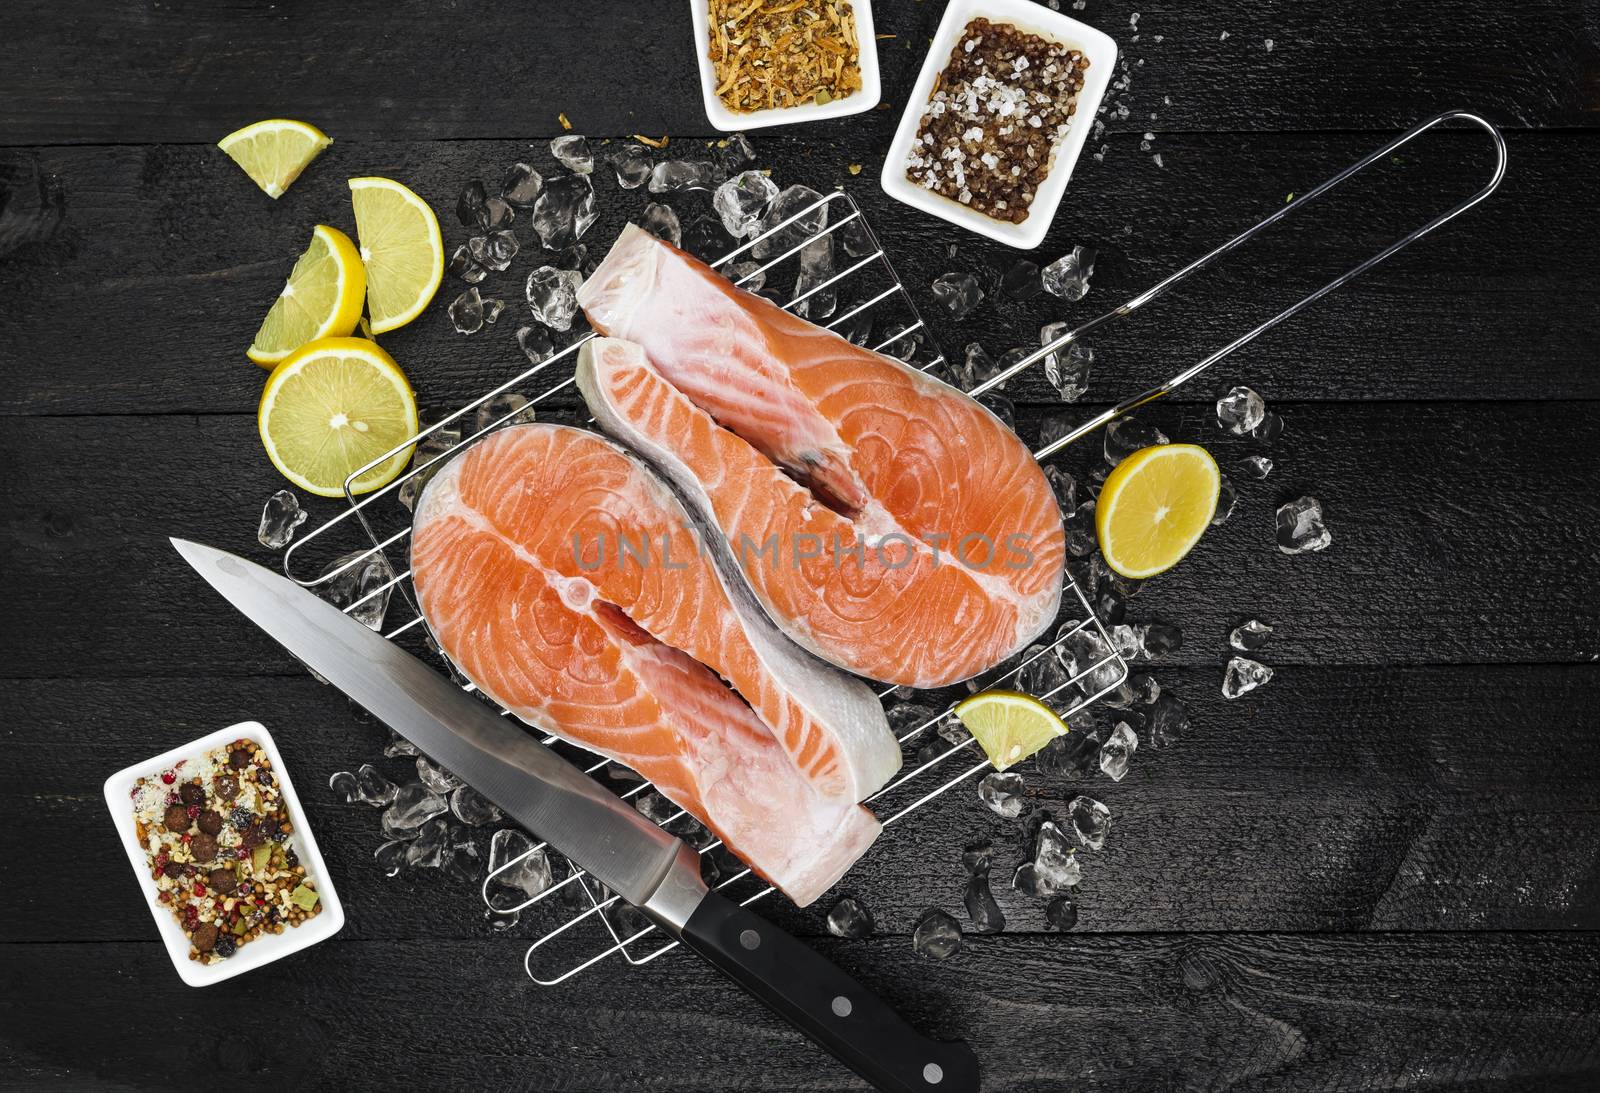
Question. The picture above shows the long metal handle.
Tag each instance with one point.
(1243, 237)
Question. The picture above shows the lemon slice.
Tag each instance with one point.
(1009, 725)
(321, 299)
(402, 248)
(331, 408)
(275, 151)
(1154, 507)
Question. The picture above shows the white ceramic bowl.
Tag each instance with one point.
(1095, 45)
(268, 947)
(730, 122)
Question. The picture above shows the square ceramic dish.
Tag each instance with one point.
(1026, 15)
(730, 122)
(267, 948)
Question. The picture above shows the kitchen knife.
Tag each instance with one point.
(594, 828)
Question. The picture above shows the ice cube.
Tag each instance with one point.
(463, 266)
(985, 913)
(1239, 410)
(734, 152)
(1167, 720)
(747, 275)
(1091, 821)
(1300, 527)
(816, 269)
(564, 211)
(1126, 640)
(1003, 793)
(1088, 659)
(857, 329)
(391, 857)
(346, 790)
(496, 214)
(279, 517)
(909, 717)
(1117, 749)
(358, 584)
(978, 857)
(977, 368)
(742, 201)
(572, 152)
(854, 239)
(535, 342)
(1064, 485)
(466, 312)
(471, 807)
(1250, 635)
(373, 788)
(793, 202)
(470, 203)
(1054, 427)
(1068, 276)
(1227, 497)
(1270, 429)
(654, 807)
(1242, 676)
(1061, 913)
(492, 309)
(850, 918)
(660, 221)
(958, 293)
(414, 805)
(1002, 408)
(506, 408)
(461, 861)
(632, 164)
(530, 874)
(1068, 370)
(553, 296)
(1055, 863)
(937, 936)
(1042, 675)
(1126, 435)
(522, 185)
(427, 849)
(907, 345)
(1157, 639)
(676, 176)
(1256, 466)
(1080, 529)
(495, 250)
(435, 777)
(1023, 281)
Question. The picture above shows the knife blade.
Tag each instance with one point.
(592, 827)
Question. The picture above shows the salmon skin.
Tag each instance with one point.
(886, 521)
(624, 649)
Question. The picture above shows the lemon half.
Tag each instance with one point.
(1009, 725)
(321, 299)
(331, 408)
(402, 249)
(1154, 507)
(275, 151)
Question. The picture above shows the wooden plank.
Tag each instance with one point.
(166, 257)
(1458, 530)
(1265, 1012)
(1330, 800)
(78, 73)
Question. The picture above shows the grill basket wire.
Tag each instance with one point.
(883, 299)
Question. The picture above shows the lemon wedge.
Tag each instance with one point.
(402, 249)
(275, 151)
(321, 299)
(331, 408)
(1009, 725)
(1154, 507)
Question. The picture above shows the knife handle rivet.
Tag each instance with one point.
(750, 939)
(842, 1006)
(933, 1073)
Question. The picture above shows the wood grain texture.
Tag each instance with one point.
(1330, 800)
(1459, 530)
(165, 258)
(1196, 1012)
(420, 71)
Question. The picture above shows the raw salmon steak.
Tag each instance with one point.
(565, 581)
(886, 521)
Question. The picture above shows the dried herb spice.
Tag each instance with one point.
(770, 54)
(988, 135)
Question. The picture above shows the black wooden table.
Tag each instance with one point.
(1381, 870)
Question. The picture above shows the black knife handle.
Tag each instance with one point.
(822, 1001)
